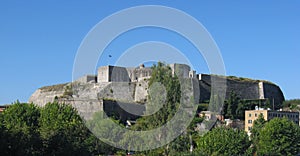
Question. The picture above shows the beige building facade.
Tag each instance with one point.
(252, 115)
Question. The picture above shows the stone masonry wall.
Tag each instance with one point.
(87, 78)
(182, 70)
(103, 74)
(141, 91)
(41, 98)
(121, 91)
(112, 74)
(273, 92)
(118, 74)
(138, 73)
(115, 83)
(246, 89)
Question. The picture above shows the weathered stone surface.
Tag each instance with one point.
(243, 87)
(88, 78)
(141, 91)
(44, 95)
(130, 85)
(273, 93)
(181, 70)
(121, 91)
(137, 91)
(112, 74)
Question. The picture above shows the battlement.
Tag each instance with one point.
(134, 74)
(112, 74)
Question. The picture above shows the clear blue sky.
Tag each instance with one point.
(39, 39)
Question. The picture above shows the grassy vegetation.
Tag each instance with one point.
(293, 104)
(58, 87)
(242, 79)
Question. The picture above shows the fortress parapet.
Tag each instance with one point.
(132, 74)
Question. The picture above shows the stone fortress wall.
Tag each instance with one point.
(135, 74)
(181, 70)
(130, 85)
(273, 93)
(123, 74)
(112, 74)
(245, 88)
(88, 78)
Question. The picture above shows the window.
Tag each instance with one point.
(249, 128)
(249, 114)
(255, 115)
(249, 121)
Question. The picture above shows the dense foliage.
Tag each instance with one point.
(19, 130)
(292, 104)
(55, 129)
(224, 141)
(58, 126)
(234, 107)
(259, 123)
(163, 82)
(279, 136)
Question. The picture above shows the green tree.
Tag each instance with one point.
(62, 130)
(161, 74)
(245, 105)
(279, 136)
(215, 103)
(232, 105)
(181, 145)
(293, 104)
(223, 141)
(258, 124)
(100, 126)
(55, 129)
(240, 111)
(164, 93)
(5, 138)
(19, 126)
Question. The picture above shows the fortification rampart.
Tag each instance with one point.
(130, 85)
(181, 70)
(112, 74)
(243, 87)
(274, 94)
(138, 73)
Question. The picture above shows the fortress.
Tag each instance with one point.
(129, 86)
(131, 74)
